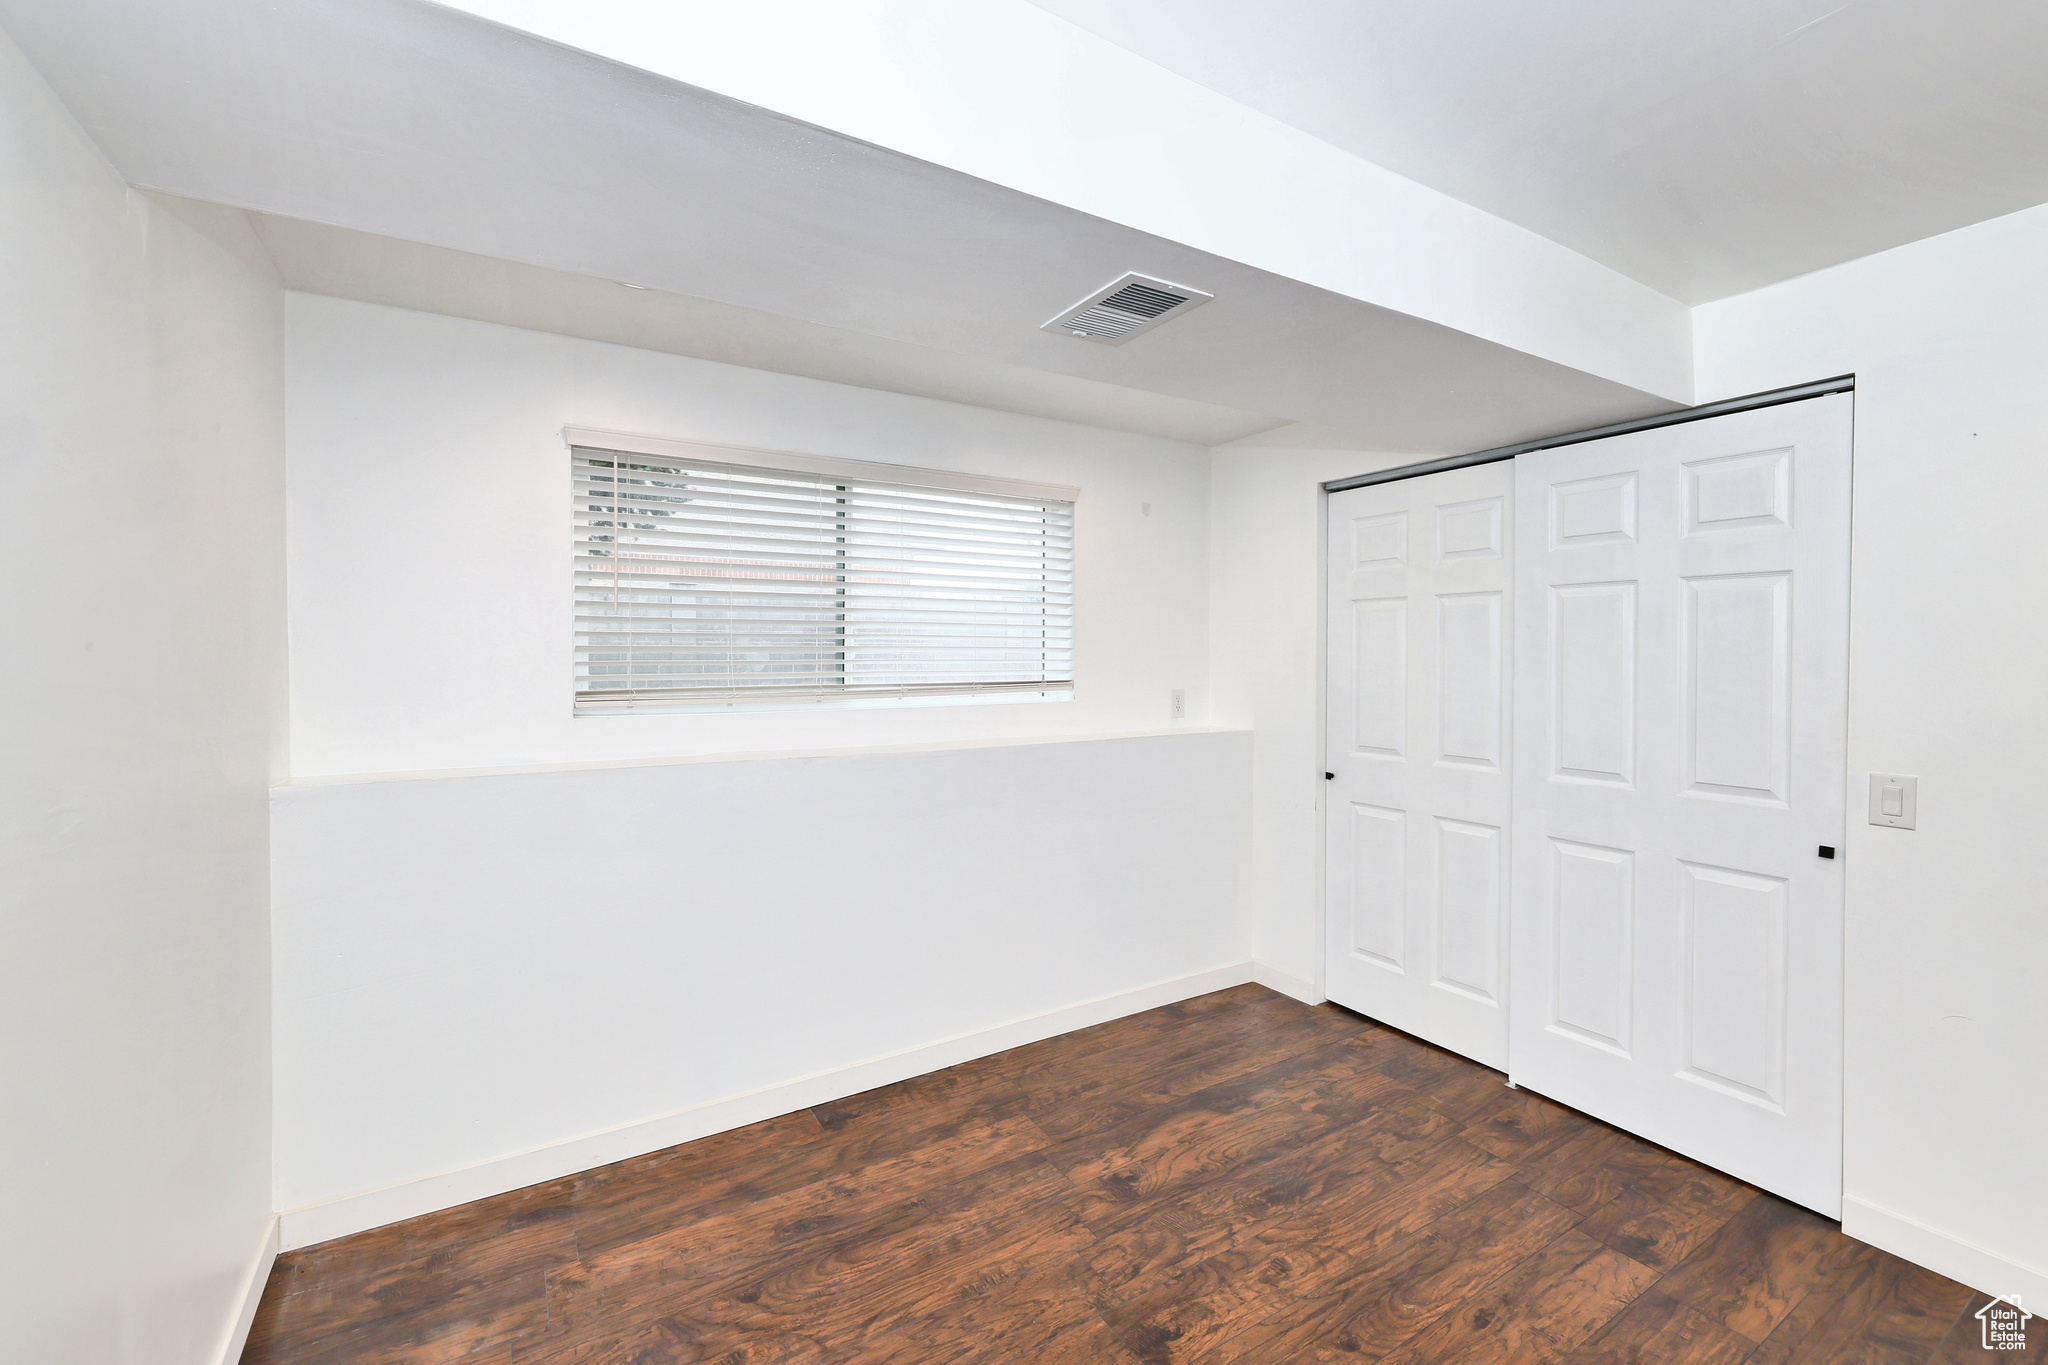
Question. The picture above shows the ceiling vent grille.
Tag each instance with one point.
(1126, 306)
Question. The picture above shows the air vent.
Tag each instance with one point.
(1125, 307)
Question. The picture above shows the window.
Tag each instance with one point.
(712, 577)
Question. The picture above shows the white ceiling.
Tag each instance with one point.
(1705, 149)
(318, 259)
(412, 122)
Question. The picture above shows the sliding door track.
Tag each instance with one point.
(1839, 384)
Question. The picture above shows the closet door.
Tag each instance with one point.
(1682, 601)
(1417, 734)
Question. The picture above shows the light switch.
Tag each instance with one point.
(1894, 800)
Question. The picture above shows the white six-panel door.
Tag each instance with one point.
(1681, 656)
(1418, 739)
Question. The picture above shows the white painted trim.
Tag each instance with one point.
(374, 1208)
(750, 756)
(953, 481)
(1287, 983)
(1945, 1254)
(252, 1295)
(1320, 912)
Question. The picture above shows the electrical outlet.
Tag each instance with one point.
(1178, 709)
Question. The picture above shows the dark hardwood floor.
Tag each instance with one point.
(1234, 1178)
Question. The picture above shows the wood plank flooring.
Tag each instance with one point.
(1234, 1178)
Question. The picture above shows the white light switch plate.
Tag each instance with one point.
(1894, 800)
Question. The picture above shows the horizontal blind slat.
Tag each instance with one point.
(810, 509)
(787, 607)
(766, 675)
(707, 480)
(630, 464)
(725, 560)
(923, 625)
(729, 681)
(624, 700)
(851, 539)
(607, 500)
(726, 600)
(640, 579)
(588, 639)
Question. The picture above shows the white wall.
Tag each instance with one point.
(429, 542)
(472, 968)
(664, 940)
(141, 489)
(1266, 667)
(1947, 1015)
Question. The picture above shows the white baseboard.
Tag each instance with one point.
(1287, 983)
(313, 1223)
(1960, 1260)
(252, 1295)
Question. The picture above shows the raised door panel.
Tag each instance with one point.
(1470, 866)
(1469, 679)
(1379, 894)
(1593, 685)
(1743, 492)
(1596, 511)
(1469, 530)
(1737, 669)
(1592, 944)
(1379, 716)
(1379, 542)
(1735, 960)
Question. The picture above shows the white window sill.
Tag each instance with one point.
(612, 710)
(934, 746)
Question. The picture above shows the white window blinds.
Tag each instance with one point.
(703, 577)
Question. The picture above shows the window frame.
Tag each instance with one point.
(592, 704)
